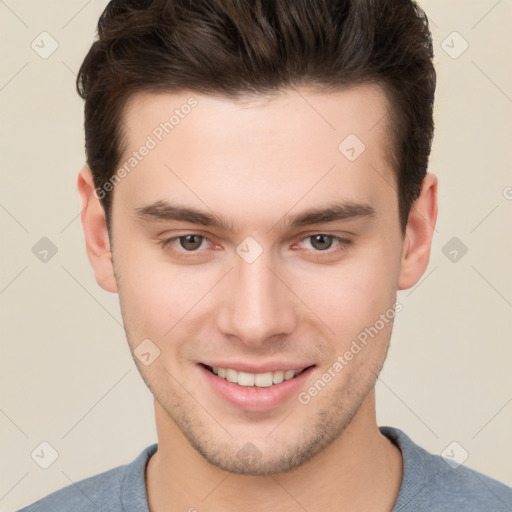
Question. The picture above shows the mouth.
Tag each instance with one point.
(255, 392)
(258, 380)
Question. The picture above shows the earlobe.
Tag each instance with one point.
(96, 234)
(419, 233)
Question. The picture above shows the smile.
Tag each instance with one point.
(260, 380)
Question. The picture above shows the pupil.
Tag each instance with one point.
(187, 243)
(322, 241)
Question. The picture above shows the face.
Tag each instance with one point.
(294, 250)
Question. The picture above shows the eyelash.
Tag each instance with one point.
(343, 244)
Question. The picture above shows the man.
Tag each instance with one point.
(256, 193)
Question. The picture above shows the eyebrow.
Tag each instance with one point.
(336, 211)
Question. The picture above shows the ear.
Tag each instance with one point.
(96, 234)
(418, 235)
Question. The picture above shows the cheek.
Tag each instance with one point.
(155, 294)
(350, 296)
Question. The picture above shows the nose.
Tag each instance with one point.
(257, 303)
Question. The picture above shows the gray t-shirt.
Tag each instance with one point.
(429, 484)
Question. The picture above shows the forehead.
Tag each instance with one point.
(292, 115)
(279, 148)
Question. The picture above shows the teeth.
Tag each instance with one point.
(246, 379)
(231, 375)
(260, 380)
(278, 377)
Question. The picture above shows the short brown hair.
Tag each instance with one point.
(256, 47)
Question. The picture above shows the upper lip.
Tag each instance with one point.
(263, 368)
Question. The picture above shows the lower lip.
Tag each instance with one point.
(255, 398)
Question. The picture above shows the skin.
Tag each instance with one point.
(256, 162)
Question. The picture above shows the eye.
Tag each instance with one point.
(187, 243)
(190, 242)
(321, 242)
(324, 245)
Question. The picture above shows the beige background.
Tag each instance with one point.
(67, 377)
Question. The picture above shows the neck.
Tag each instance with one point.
(360, 470)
